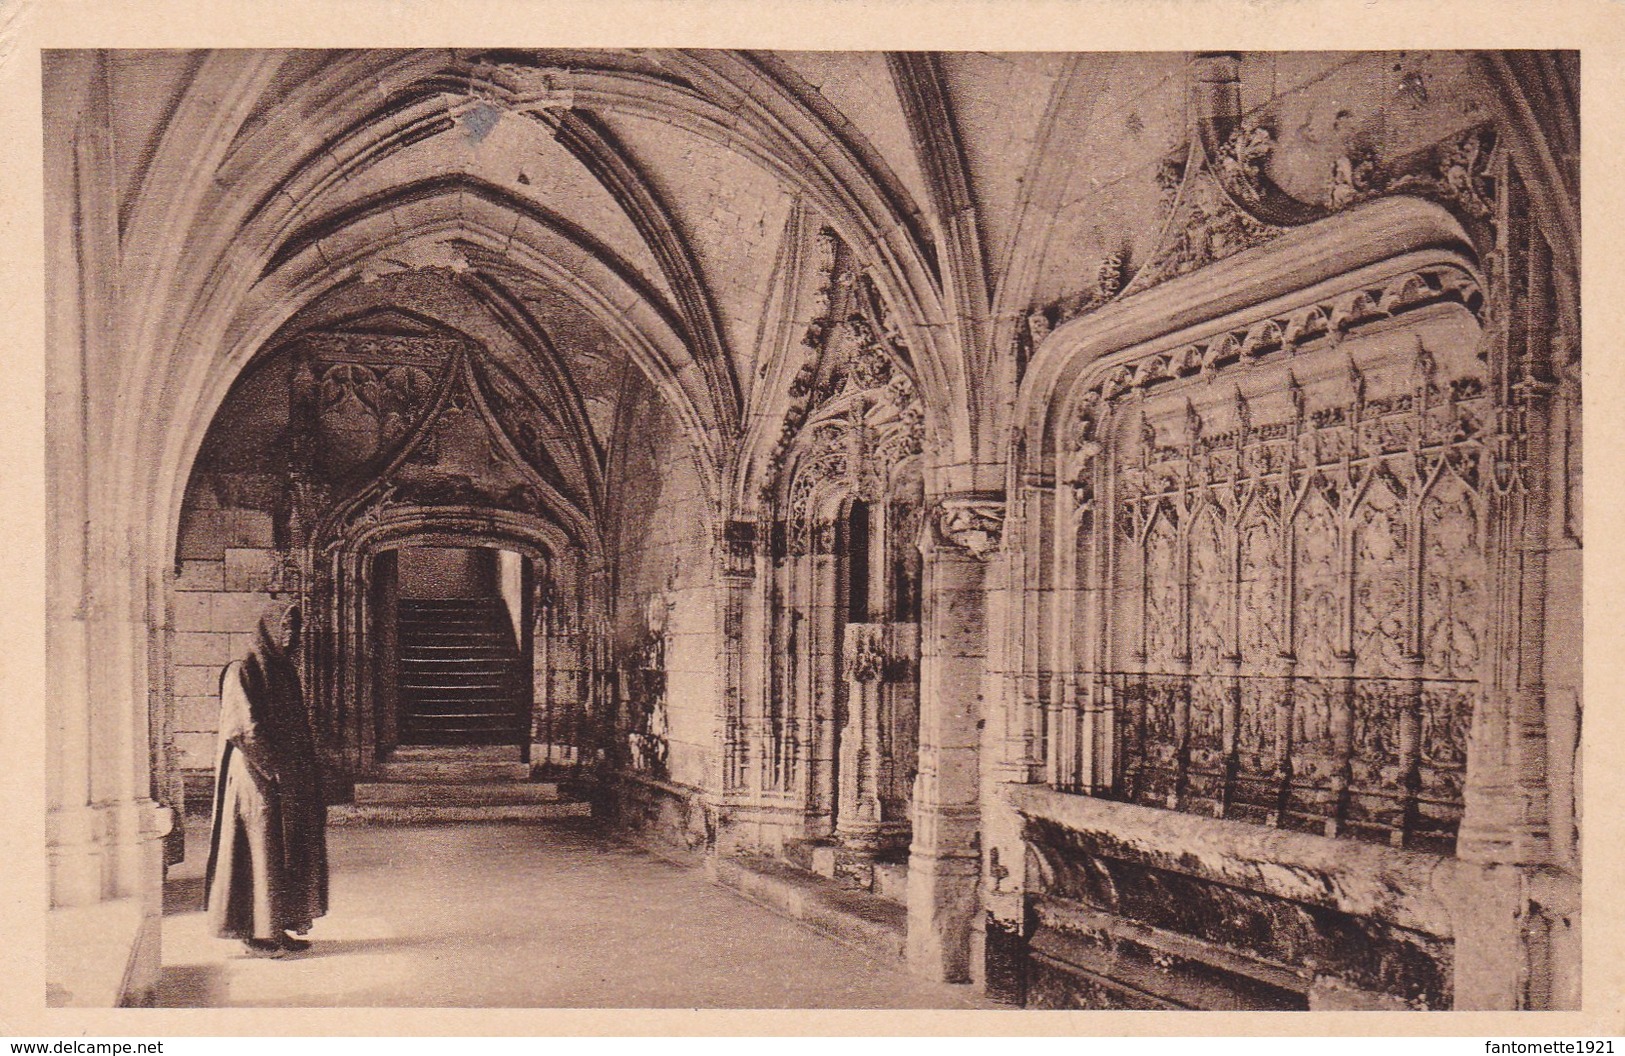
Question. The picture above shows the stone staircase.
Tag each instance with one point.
(460, 673)
(443, 784)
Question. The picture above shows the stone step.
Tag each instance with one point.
(436, 709)
(459, 733)
(428, 623)
(455, 793)
(460, 665)
(859, 919)
(449, 681)
(395, 814)
(429, 629)
(442, 652)
(467, 771)
(471, 722)
(439, 753)
(439, 706)
(484, 615)
(455, 695)
(488, 735)
(475, 698)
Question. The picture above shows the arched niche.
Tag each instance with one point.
(1270, 522)
(559, 632)
(354, 434)
(1231, 518)
(840, 633)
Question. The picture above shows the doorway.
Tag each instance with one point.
(453, 628)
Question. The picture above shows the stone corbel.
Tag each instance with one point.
(975, 525)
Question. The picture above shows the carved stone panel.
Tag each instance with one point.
(358, 394)
(1295, 590)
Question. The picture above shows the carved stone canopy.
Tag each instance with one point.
(1273, 337)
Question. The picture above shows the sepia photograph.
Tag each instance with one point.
(559, 527)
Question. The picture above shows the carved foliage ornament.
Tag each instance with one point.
(1456, 174)
(382, 349)
(1204, 225)
(803, 393)
(860, 360)
(1210, 199)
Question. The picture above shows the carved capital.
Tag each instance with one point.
(973, 524)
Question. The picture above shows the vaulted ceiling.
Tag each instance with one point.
(645, 207)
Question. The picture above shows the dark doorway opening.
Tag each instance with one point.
(453, 624)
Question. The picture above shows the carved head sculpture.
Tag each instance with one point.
(975, 525)
(1038, 326)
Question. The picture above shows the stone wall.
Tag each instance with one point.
(1141, 908)
(665, 599)
(1345, 665)
(446, 572)
(225, 586)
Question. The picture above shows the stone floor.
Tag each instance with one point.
(525, 915)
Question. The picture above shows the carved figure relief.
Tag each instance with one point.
(647, 727)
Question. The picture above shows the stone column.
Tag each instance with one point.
(105, 597)
(1506, 818)
(737, 577)
(1027, 582)
(858, 824)
(999, 941)
(944, 859)
(815, 709)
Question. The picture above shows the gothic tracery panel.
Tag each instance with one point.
(1211, 588)
(1294, 593)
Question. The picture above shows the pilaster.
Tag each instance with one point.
(945, 858)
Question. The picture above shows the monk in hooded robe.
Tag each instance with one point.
(267, 871)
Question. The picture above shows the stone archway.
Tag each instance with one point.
(563, 608)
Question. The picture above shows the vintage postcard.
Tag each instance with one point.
(984, 512)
